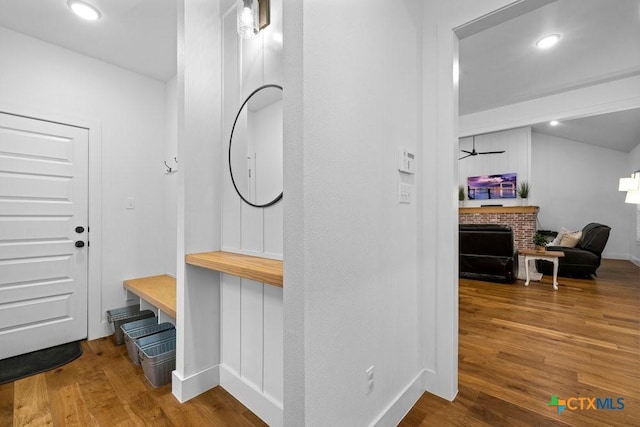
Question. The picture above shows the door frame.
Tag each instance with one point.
(96, 322)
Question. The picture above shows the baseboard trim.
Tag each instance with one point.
(634, 260)
(402, 404)
(615, 256)
(264, 406)
(187, 388)
(432, 385)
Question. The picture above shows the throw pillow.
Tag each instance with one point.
(570, 240)
(558, 239)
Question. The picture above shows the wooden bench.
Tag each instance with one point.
(159, 291)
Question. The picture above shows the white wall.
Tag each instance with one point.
(171, 179)
(634, 215)
(129, 108)
(575, 184)
(359, 268)
(516, 159)
(198, 194)
(350, 249)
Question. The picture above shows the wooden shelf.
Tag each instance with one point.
(159, 291)
(250, 267)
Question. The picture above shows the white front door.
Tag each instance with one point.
(43, 202)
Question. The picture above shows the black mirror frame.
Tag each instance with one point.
(277, 199)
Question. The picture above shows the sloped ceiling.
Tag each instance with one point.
(617, 131)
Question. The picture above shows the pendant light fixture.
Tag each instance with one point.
(252, 16)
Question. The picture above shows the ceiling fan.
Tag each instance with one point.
(473, 152)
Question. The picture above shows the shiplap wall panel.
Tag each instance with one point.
(231, 104)
(251, 331)
(252, 229)
(273, 46)
(231, 212)
(231, 304)
(517, 158)
(273, 236)
(251, 65)
(273, 343)
(251, 312)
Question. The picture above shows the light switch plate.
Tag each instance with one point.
(405, 191)
(406, 161)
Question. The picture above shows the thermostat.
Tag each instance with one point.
(406, 161)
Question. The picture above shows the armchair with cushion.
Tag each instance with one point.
(584, 259)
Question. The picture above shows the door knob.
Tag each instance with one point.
(79, 244)
(79, 230)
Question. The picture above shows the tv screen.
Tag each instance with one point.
(487, 187)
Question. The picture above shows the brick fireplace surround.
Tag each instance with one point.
(521, 218)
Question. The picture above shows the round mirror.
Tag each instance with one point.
(255, 147)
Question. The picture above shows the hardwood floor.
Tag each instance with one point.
(520, 345)
(103, 388)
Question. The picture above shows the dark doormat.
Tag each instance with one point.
(28, 364)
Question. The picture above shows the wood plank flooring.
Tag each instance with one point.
(520, 345)
(103, 388)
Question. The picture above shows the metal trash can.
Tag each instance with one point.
(139, 329)
(119, 316)
(157, 354)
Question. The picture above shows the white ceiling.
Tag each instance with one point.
(500, 65)
(138, 35)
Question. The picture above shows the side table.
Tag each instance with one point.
(532, 255)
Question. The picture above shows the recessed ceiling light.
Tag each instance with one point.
(554, 123)
(84, 10)
(547, 41)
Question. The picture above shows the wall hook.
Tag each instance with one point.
(169, 168)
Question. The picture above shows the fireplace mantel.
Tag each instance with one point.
(500, 209)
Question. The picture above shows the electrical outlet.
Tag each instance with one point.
(368, 374)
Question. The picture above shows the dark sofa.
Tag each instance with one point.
(487, 252)
(584, 259)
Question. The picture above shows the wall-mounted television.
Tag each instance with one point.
(487, 187)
